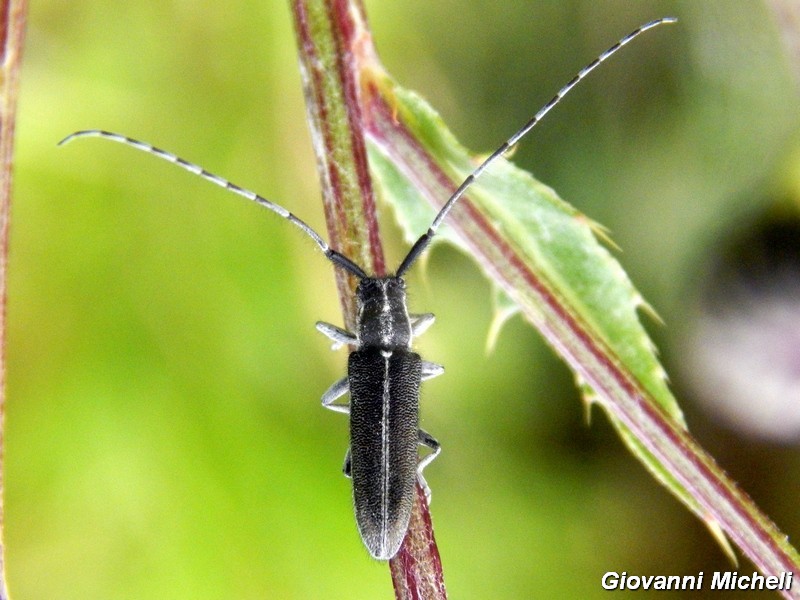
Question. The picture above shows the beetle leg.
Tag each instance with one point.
(348, 466)
(431, 370)
(420, 323)
(427, 440)
(333, 393)
(341, 337)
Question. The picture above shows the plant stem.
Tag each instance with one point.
(413, 141)
(333, 39)
(12, 36)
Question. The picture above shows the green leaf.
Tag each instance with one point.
(504, 309)
(541, 252)
(545, 256)
(556, 242)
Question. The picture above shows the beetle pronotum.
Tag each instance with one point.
(384, 373)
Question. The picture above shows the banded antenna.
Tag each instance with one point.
(422, 243)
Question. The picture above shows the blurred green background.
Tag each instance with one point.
(164, 433)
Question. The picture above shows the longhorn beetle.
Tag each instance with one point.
(383, 374)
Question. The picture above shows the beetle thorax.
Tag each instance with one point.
(382, 314)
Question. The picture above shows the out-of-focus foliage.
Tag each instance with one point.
(164, 434)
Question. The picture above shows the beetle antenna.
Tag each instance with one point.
(422, 243)
(335, 257)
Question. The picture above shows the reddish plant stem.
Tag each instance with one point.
(718, 499)
(334, 44)
(331, 91)
(12, 36)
